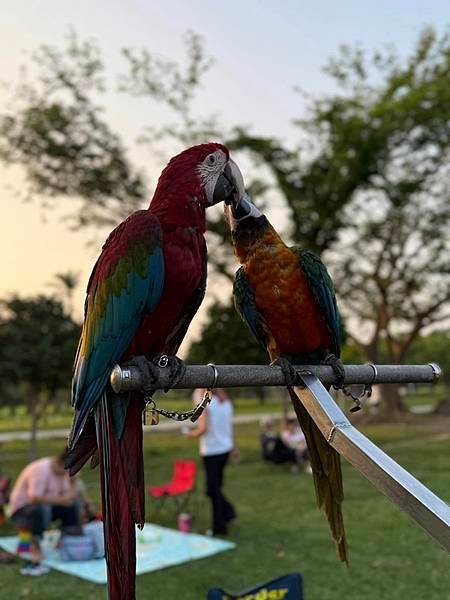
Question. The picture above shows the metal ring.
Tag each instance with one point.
(216, 375)
(150, 403)
(163, 361)
(375, 372)
(437, 371)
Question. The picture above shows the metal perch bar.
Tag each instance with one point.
(411, 496)
(129, 378)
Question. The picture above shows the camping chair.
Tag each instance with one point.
(181, 486)
(5, 482)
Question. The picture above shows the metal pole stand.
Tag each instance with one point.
(411, 496)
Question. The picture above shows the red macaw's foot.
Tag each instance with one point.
(175, 367)
(148, 370)
(291, 377)
(151, 371)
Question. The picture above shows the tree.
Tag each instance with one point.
(59, 135)
(57, 131)
(425, 348)
(67, 283)
(227, 340)
(367, 186)
(38, 340)
(377, 187)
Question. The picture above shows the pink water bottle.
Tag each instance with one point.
(184, 522)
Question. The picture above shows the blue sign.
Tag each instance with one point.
(287, 587)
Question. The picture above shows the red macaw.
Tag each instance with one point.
(143, 292)
(286, 297)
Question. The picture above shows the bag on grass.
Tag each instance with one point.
(94, 530)
(77, 547)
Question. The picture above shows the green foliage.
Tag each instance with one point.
(37, 345)
(57, 132)
(368, 184)
(433, 347)
(226, 340)
(373, 190)
(157, 79)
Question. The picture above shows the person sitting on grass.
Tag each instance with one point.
(287, 447)
(43, 493)
(293, 438)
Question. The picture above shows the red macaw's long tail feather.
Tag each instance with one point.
(119, 435)
(327, 474)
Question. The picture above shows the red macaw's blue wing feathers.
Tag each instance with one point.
(126, 283)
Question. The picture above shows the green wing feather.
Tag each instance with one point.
(125, 284)
(327, 475)
(244, 301)
(322, 287)
(325, 461)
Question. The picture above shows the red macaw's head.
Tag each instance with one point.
(198, 177)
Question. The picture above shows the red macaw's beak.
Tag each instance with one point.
(229, 185)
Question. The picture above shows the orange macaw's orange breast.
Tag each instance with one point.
(284, 298)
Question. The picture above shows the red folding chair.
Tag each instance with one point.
(181, 486)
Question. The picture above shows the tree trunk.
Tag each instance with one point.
(391, 402)
(34, 423)
(261, 395)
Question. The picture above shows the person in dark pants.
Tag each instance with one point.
(215, 432)
(43, 493)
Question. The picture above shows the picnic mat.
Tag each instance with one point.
(157, 548)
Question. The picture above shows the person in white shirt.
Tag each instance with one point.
(215, 432)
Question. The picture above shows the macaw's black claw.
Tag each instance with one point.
(291, 376)
(176, 369)
(336, 364)
(338, 368)
(149, 372)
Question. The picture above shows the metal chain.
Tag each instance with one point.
(366, 393)
(175, 415)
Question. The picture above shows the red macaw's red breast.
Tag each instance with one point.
(284, 298)
(184, 285)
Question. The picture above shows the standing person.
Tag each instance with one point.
(43, 493)
(215, 432)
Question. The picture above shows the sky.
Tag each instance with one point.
(261, 48)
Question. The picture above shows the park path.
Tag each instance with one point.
(47, 434)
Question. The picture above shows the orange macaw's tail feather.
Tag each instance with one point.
(327, 474)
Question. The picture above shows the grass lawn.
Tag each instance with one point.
(20, 420)
(280, 529)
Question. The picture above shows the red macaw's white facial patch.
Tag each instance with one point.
(212, 167)
(210, 170)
